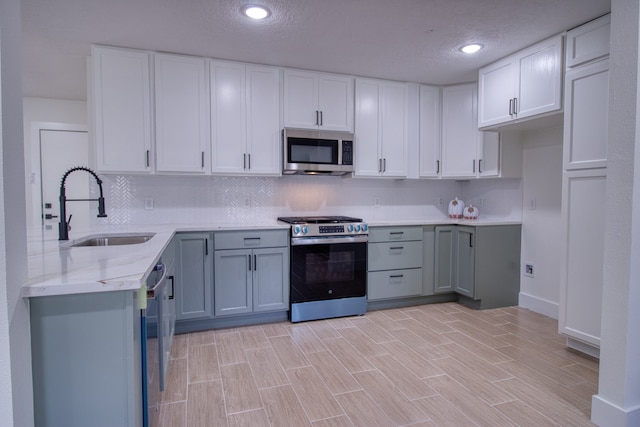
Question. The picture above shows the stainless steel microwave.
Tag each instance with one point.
(315, 152)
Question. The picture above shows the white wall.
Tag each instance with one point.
(542, 182)
(16, 404)
(44, 113)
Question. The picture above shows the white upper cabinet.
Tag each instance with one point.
(588, 42)
(460, 136)
(429, 131)
(318, 100)
(526, 84)
(466, 151)
(381, 128)
(245, 119)
(122, 110)
(182, 114)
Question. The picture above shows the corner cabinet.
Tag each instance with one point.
(466, 151)
(182, 114)
(318, 100)
(480, 263)
(381, 128)
(122, 110)
(193, 275)
(523, 85)
(251, 271)
(245, 119)
(584, 184)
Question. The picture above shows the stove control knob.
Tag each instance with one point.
(296, 229)
(365, 227)
(350, 228)
(358, 227)
(304, 229)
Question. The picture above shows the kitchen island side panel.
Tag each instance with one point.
(86, 360)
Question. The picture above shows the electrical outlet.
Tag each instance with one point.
(481, 202)
(148, 203)
(528, 270)
(376, 202)
(532, 203)
(440, 201)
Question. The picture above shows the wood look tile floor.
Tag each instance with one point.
(430, 365)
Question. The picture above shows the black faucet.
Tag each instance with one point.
(63, 226)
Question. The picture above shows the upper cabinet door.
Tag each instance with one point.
(367, 160)
(459, 132)
(429, 119)
(318, 101)
(393, 120)
(588, 42)
(182, 114)
(122, 110)
(540, 79)
(335, 102)
(496, 88)
(263, 120)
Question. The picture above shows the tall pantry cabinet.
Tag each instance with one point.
(584, 184)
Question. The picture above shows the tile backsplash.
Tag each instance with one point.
(259, 200)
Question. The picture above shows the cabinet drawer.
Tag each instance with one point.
(394, 234)
(394, 284)
(395, 255)
(251, 239)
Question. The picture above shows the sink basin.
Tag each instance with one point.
(113, 240)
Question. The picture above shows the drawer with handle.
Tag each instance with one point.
(395, 255)
(251, 239)
(394, 234)
(394, 284)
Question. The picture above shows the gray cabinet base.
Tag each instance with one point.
(195, 325)
(411, 301)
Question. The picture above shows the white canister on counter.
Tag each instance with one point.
(456, 208)
(470, 212)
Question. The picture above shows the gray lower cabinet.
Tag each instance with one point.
(86, 360)
(193, 275)
(395, 257)
(251, 272)
(479, 263)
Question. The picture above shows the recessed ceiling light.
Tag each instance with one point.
(471, 48)
(256, 12)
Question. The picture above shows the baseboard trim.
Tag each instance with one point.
(606, 414)
(539, 305)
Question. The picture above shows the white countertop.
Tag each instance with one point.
(55, 268)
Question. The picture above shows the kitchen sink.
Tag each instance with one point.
(113, 240)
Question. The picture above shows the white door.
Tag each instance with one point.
(60, 151)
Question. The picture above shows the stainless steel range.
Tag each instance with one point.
(328, 275)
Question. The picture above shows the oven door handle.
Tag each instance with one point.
(328, 240)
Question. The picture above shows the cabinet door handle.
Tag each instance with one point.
(474, 165)
(480, 166)
(396, 248)
(470, 240)
(515, 106)
(249, 160)
(255, 262)
(396, 276)
(321, 120)
(202, 160)
(379, 165)
(437, 166)
(244, 161)
(317, 118)
(206, 247)
(147, 158)
(384, 165)
(396, 232)
(249, 256)
(511, 107)
(172, 286)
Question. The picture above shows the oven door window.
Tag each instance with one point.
(313, 151)
(328, 271)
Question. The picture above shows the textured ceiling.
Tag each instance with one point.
(406, 40)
